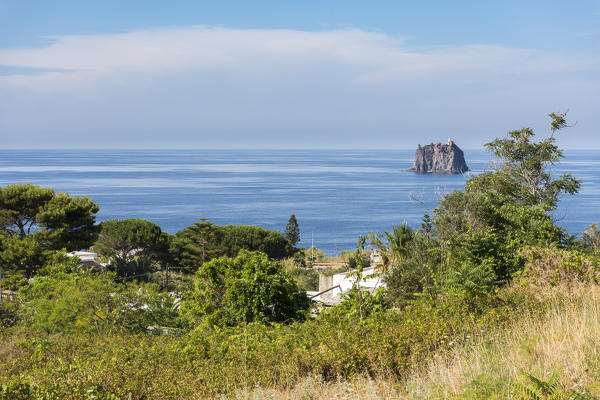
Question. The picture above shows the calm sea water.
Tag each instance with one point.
(336, 195)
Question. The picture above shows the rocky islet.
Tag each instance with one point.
(439, 158)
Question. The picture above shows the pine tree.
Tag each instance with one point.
(34, 221)
(292, 230)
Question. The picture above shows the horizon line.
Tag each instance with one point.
(243, 149)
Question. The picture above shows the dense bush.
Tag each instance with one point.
(551, 265)
(306, 278)
(66, 302)
(85, 301)
(9, 313)
(211, 360)
(248, 288)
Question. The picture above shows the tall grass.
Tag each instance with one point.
(565, 341)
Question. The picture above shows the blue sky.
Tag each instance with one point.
(294, 74)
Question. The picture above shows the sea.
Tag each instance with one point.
(336, 195)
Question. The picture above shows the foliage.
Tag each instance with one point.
(502, 211)
(132, 246)
(197, 244)
(23, 256)
(485, 222)
(123, 239)
(13, 281)
(357, 298)
(24, 391)
(247, 319)
(591, 237)
(359, 304)
(404, 283)
(306, 278)
(537, 389)
(415, 275)
(314, 254)
(300, 258)
(37, 220)
(244, 289)
(59, 262)
(179, 282)
(214, 360)
(144, 305)
(292, 230)
(548, 266)
(9, 313)
(68, 222)
(255, 238)
(526, 164)
(20, 205)
(67, 302)
(397, 248)
(472, 281)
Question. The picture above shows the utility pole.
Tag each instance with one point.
(312, 247)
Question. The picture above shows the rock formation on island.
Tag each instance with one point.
(439, 158)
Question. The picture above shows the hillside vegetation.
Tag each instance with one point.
(489, 298)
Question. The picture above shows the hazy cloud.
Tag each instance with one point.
(216, 87)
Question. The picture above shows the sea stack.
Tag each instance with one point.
(439, 158)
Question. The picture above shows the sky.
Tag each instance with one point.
(295, 74)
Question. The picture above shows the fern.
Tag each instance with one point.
(537, 389)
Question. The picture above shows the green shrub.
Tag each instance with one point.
(248, 288)
(140, 306)
(66, 302)
(9, 313)
(551, 265)
(306, 278)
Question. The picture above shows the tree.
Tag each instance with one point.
(591, 237)
(19, 206)
(526, 163)
(34, 221)
(500, 211)
(248, 288)
(292, 230)
(197, 244)
(397, 247)
(132, 245)
(254, 238)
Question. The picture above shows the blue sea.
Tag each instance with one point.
(336, 195)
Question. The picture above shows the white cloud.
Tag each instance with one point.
(207, 86)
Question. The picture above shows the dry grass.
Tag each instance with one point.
(315, 388)
(10, 349)
(565, 341)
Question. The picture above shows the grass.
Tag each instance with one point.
(566, 342)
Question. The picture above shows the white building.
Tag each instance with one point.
(332, 288)
(88, 258)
